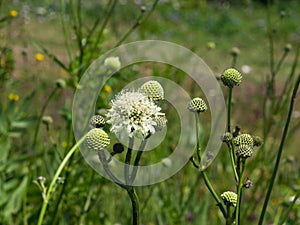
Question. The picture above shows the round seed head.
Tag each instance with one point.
(197, 105)
(243, 139)
(153, 90)
(97, 121)
(227, 137)
(97, 139)
(257, 141)
(229, 198)
(231, 77)
(244, 151)
(161, 122)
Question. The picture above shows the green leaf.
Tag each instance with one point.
(14, 203)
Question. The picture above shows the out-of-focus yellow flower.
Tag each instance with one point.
(13, 97)
(39, 56)
(210, 45)
(64, 144)
(13, 13)
(107, 88)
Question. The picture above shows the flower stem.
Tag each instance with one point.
(137, 160)
(280, 150)
(239, 194)
(232, 159)
(53, 182)
(198, 139)
(212, 191)
(229, 108)
(37, 128)
(127, 160)
(135, 205)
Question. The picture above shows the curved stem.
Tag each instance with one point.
(102, 157)
(37, 128)
(53, 182)
(212, 191)
(280, 150)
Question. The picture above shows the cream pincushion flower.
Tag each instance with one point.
(133, 112)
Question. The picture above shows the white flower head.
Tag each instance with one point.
(134, 113)
(112, 63)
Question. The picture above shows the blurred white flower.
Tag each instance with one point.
(112, 63)
(134, 113)
(246, 69)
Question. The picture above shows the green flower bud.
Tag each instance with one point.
(112, 63)
(288, 47)
(229, 198)
(47, 120)
(235, 51)
(153, 89)
(97, 139)
(161, 122)
(60, 83)
(257, 141)
(231, 77)
(97, 121)
(244, 151)
(227, 137)
(197, 105)
(243, 139)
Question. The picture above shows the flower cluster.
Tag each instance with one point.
(136, 113)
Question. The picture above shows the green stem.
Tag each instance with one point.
(280, 150)
(280, 61)
(287, 212)
(37, 128)
(110, 9)
(229, 108)
(102, 157)
(127, 160)
(198, 138)
(239, 194)
(137, 160)
(137, 23)
(135, 205)
(232, 159)
(234, 58)
(215, 196)
(53, 182)
(228, 217)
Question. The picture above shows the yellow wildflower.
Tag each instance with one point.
(13, 13)
(39, 56)
(13, 97)
(64, 144)
(108, 88)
